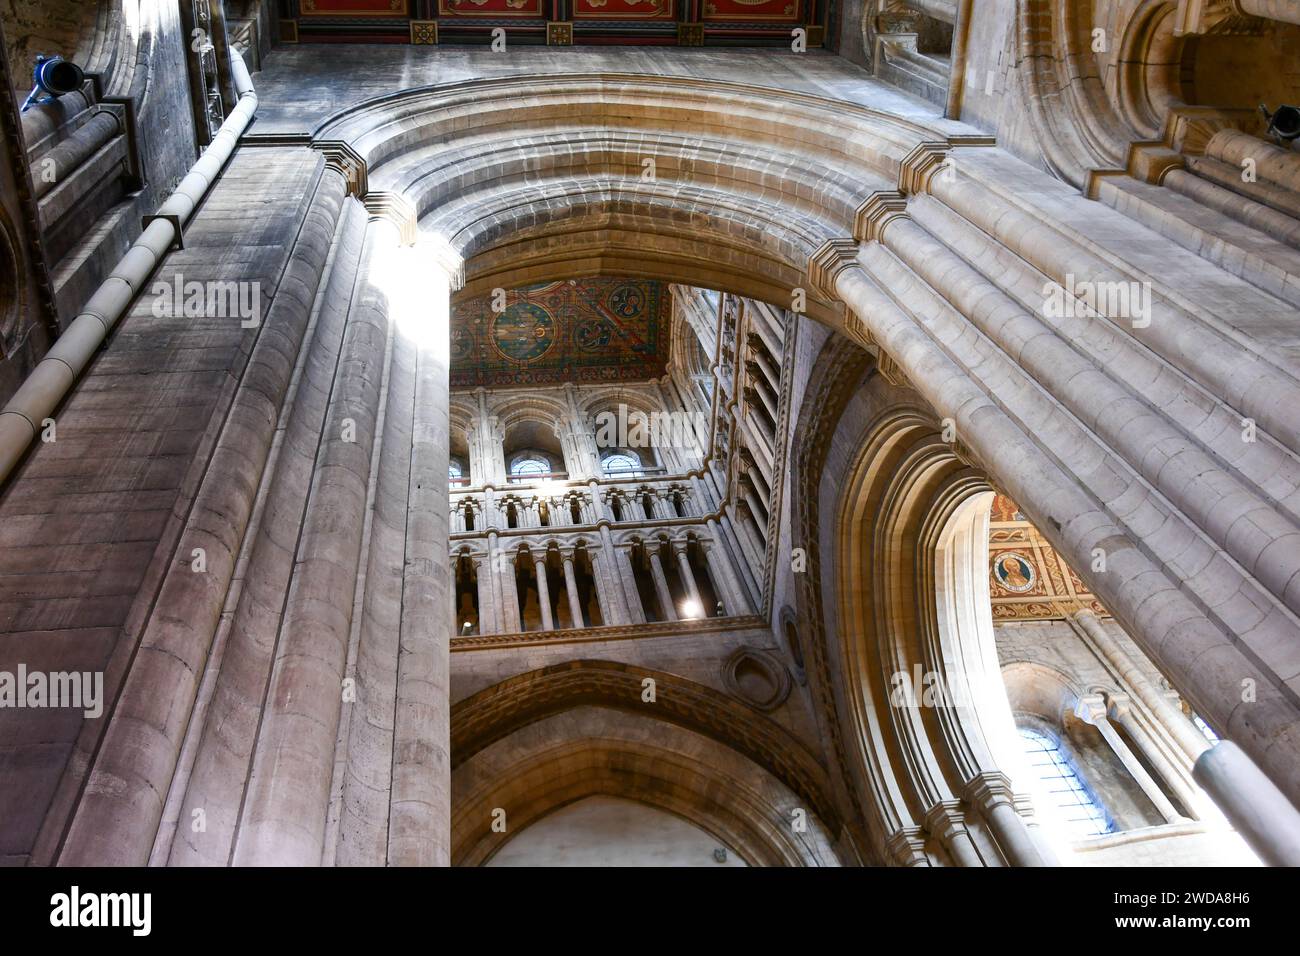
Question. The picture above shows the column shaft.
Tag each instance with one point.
(543, 593)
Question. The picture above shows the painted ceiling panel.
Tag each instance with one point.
(1028, 581)
(581, 331)
(762, 23)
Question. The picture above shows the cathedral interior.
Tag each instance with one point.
(650, 432)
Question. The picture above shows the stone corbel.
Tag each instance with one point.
(396, 209)
(890, 371)
(920, 165)
(907, 846)
(1091, 708)
(342, 157)
(824, 265)
(878, 210)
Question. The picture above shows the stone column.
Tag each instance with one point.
(1203, 659)
(773, 376)
(214, 766)
(661, 584)
(488, 609)
(945, 821)
(627, 580)
(1176, 777)
(419, 829)
(1257, 809)
(722, 574)
(598, 508)
(494, 438)
(543, 592)
(1288, 11)
(1190, 740)
(680, 549)
(1093, 710)
(571, 586)
(284, 814)
(511, 622)
(760, 387)
(749, 492)
(991, 792)
(614, 608)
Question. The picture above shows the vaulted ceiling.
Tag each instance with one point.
(558, 22)
(582, 331)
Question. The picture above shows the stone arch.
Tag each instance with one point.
(498, 711)
(461, 173)
(1076, 127)
(569, 756)
(925, 777)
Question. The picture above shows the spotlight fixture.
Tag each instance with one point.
(54, 76)
(691, 608)
(466, 628)
(721, 610)
(1283, 123)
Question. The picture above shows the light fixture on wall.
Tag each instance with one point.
(691, 608)
(1283, 123)
(54, 76)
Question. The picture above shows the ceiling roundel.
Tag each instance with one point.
(523, 333)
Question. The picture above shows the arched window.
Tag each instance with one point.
(1082, 815)
(528, 467)
(621, 464)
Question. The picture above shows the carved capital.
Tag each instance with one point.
(907, 846)
(989, 790)
(342, 157)
(824, 265)
(890, 371)
(394, 208)
(877, 210)
(919, 166)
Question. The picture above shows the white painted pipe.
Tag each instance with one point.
(22, 419)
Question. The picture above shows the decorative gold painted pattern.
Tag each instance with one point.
(1049, 591)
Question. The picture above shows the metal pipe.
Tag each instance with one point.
(22, 418)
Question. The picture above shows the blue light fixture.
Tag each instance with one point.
(54, 76)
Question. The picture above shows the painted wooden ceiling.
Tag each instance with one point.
(558, 22)
(584, 331)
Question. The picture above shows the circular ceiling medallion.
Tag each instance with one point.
(626, 300)
(1013, 571)
(524, 332)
